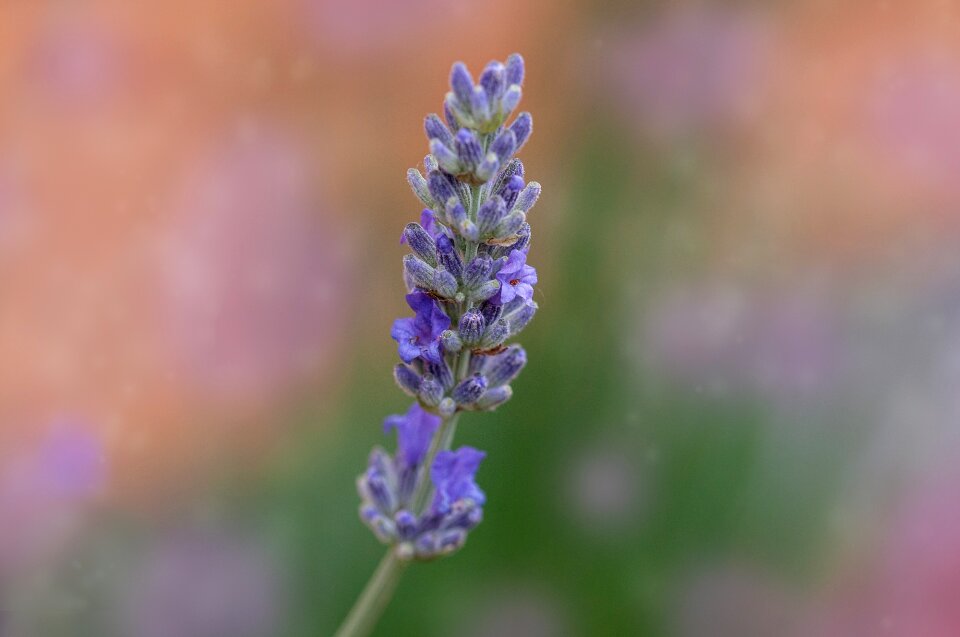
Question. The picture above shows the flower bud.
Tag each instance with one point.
(462, 83)
(447, 159)
(407, 379)
(511, 188)
(513, 168)
(486, 291)
(522, 243)
(444, 283)
(472, 326)
(495, 397)
(491, 311)
(488, 167)
(522, 127)
(442, 372)
(448, 256)
(523, 238)
(449, 117)
(511, 98)
(479, 104)
(504, 367)
(490, 214)
(504, 145)
(431, 391)
(419, 186)
(440, 186)
(514, 69)
(384, 529)
(457, 113)
(421, 243)
(496, 335)
(468, 149)
(457, 215)
(377, 490)
(418, 271)
(436, 129)
(528, 196)
(509, 226)
(469, 390)
(493, 80)
(477, 271)
(406, 524)
(451, 341)
(519, 319)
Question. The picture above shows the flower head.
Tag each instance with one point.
(419, 337)
(516, 278)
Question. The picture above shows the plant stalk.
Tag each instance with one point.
(374, 598)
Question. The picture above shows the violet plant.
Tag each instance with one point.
(470, 290)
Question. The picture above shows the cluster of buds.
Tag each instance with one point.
(389, 488)
(471, 290)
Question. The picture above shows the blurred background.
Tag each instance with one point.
(742, 409)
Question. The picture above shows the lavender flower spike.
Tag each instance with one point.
(471, 291)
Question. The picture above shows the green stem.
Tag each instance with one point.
(374, 598)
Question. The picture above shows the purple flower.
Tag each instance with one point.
(420, 336)
(516, 278)
(453, 475)
(415, 430)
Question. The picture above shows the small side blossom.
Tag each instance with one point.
(419, 337)
(387, 490)
(516, 278)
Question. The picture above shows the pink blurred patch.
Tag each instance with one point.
(365, 26)
(256, 278)
(914, 117)
(915, 584)
(690, 69)
(74, 61)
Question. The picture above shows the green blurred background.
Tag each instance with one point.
(741, 409)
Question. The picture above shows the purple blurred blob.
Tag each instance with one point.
(781, 344)
(605, 488)
(912, 114)
(204, 585)
(516, 613)
(370, 26)
(255, 278)
(734, 600)
(72, 462)
(43, 488)
(689, 69)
